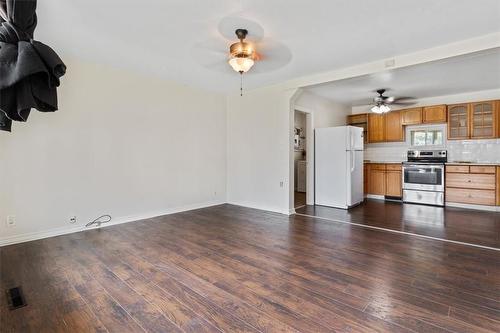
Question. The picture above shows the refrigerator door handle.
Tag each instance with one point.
(353, 160)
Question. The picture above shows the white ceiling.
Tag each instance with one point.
(468, 73)
(159, 36)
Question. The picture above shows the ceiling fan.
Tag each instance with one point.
(381, 102)
(240, 46)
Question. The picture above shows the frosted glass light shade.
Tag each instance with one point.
(240, 64)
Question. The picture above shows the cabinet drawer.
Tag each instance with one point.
(376, 166)
(482, 169)
(393, 167)
(457, 168)
(475, 181)
(473, 197)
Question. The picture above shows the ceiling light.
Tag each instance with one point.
(385, 108)
(241, 55)
(241, 65)
(379, 109)
(376, 109)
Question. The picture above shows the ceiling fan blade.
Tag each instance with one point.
(403, 103)
(397, 99)
(271, 55)
(212, 54)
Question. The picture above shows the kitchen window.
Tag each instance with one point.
(427, 137)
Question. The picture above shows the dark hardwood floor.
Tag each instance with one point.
(456, 224)
(234, 269)
(299, 199)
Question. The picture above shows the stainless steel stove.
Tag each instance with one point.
(423, 177)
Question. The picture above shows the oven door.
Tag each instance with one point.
(426, 177)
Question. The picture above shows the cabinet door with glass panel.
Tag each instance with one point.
(483, 120)
(458, 122)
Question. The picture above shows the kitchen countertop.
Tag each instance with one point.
(382, 162)
(472, 163)
(447, 163)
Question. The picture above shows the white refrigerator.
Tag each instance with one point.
(338, 156)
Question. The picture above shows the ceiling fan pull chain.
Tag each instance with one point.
(241, 83)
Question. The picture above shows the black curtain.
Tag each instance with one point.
(29, 70)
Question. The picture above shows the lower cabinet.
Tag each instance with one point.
(474, 185)
(385, 179)
(393, 186)
(498, 185)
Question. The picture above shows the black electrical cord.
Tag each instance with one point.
(99, 220)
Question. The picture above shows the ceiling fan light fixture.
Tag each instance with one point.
(241, 64)
(379, 109)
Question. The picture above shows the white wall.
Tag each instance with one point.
(327, 113)
(258, 148)
(260, 144)
(121, 144)
(485, 151)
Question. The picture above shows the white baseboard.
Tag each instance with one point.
(261, 207)
(476, 207)
(375, 196)
(26, 237)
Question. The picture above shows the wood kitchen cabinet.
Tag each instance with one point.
(498, 185)
(376, 128)
(434, 114)
(359, 120)
(393, 127)
(411, 116)
(483, 120)
(393, 181)
(377, 179)
(366, 175)
(475, 185)
(385, 180)
(479, 120)
(458, 122)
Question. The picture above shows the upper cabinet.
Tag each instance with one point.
(458, 122)
(359, 120)
(393, 127)
(477, 120)
(376, 128)
(483, 120)
(427, 115)
(411, 116)
(434, 114)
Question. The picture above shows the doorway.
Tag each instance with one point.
(303, 157)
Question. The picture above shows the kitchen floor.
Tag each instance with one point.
(454, 224)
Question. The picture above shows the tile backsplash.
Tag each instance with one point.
(480, 151)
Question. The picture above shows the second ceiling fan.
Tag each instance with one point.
(382, 103)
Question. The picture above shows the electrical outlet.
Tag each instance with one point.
(282, 183)
(11, 221)
(72, 220)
